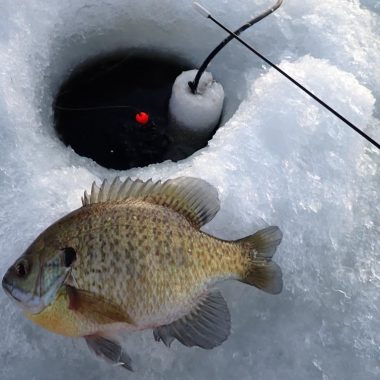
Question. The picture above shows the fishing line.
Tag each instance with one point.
(204, 12)
(62, 108)
(141, 117)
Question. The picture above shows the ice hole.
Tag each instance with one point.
(98, 109)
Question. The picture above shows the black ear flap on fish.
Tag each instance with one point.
(69, 256)
(208, 325)
(262, 271)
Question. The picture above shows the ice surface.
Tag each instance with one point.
(195, 114)
(279, 159)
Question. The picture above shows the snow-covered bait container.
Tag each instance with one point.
(195, 116)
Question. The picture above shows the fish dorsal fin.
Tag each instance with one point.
(207, 325)
(194, 198)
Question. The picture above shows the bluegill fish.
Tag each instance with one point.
(133, 258)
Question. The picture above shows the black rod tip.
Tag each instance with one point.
(193, 87)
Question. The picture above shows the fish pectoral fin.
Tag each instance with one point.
(193, 198)
(109, 350)
(95, 307)
(207, 325)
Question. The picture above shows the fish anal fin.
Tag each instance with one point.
(207, 325)
(95, 307)
(109, 350)
(193, 198)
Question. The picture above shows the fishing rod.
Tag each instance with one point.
(204, 12)
(194, 84)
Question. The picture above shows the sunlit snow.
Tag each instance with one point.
(279, 159)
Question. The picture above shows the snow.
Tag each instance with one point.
(279, 159)
(194, 116)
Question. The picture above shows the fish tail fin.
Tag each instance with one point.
(261, 271)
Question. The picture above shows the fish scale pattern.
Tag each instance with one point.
(150, 260)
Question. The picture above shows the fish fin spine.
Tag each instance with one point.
(193, 198)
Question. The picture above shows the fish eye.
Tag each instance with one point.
(22, 268)
(69, 256)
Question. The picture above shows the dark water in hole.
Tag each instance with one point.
(111, 136)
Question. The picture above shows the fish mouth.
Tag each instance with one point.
(8, 288)
(26, 301)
